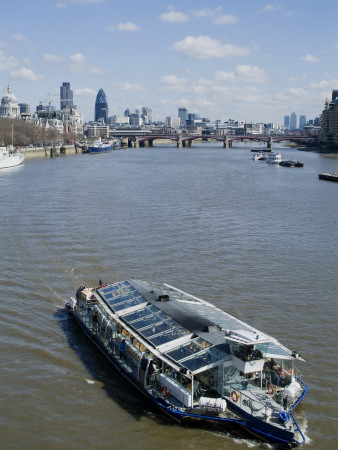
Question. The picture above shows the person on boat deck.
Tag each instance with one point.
(144, 362)
(123, 349)
(196, 389)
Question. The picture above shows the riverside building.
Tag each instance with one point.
(329, 121)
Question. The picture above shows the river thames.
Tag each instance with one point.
(258, 240)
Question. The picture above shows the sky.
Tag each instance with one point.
(250, 60)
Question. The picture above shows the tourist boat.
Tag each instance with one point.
(328, 176)
(99, 147)
(195, 362)
(9, 158)
(259, 156)
(274, 158)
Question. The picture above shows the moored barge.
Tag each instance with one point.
(195, 362)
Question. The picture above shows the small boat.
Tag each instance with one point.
(328, 176)
(289, 163)
(274, 158)
(99, 147)
(197, 363)
(259, 156)
(9, 158)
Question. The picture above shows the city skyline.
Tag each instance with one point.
(254, 61)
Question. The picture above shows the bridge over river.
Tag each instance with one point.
(142, 138)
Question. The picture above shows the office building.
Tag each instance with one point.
(302, 122)
(101, 107)
(147, 115)
(66, 97)
(287, 122)
(183, 115)
(293, 121)
(172, 122)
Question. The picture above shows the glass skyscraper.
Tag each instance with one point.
(66, 96)
(101, 107)
(293, 121)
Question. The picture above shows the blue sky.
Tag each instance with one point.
(247, 60)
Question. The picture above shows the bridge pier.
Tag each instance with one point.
(179, 143)
(227, 143)
(270, 143)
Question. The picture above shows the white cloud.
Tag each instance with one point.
(244, 73)
(310, 59)
(297, 92)
(128, 26)
(174, 17)
(7, 62)
(173, 80)
(225, 76)
(204, 47)
(324, 84)
(85, 92)
(270, 8)
(20, 38)
(252, 74)
(26, 74)
(207, 12)
(53, 58)
(225, 19)
(79, 64)
(128, 87)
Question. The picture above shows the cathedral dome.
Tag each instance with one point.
(9, 105)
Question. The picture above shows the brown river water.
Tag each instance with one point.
(257, 240)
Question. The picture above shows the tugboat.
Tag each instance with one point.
(197, 363)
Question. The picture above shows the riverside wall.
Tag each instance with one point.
(42, 152)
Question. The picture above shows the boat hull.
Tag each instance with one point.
(264, 431)
(328, 176)
(102, 149)
(11, 161)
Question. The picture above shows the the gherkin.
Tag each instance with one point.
(101, 107)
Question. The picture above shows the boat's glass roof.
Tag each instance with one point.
(152, 322)
(120, 296)
(196, 354)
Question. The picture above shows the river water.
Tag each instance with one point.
(260, 241)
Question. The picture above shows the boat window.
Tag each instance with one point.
(149, 320)
(271, 349)
(188, 349)
(129, 303)
(211, 356)
(166, 337)
(147, 311)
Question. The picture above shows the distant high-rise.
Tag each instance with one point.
(101, 107)
(287, 122)
(293, 121)
(66, 97)
(147, 115)
(334, 94)
(302, 122)
(183, 115)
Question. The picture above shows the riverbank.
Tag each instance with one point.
(48, 152)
